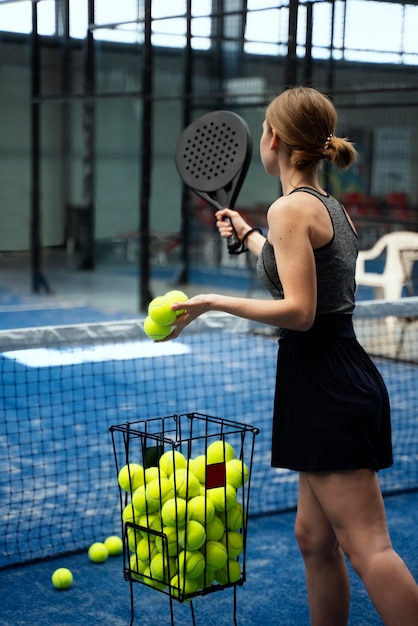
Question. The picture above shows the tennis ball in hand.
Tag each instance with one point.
(98, 552)
(155, 331)
(62, 578)
(114, 545)
(176, 296)
(160, 311)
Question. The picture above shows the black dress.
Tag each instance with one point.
(331, 409)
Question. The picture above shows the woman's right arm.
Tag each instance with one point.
(254, 240)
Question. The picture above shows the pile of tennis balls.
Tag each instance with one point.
(98, 552)
(157, 324)
(190, 535)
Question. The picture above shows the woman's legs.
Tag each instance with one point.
(325, 569)
(352, 505)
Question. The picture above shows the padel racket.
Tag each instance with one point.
(212, 157)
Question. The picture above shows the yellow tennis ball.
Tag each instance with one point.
(201, 509)
(160, 311)
(215, 554)
(131, 477)
(151, 521)
(191, 563)
(236, 473)
(181, 587)
(198, 467)
(192, 536)
(98, 552)
(233, 542)
(155, 331)
(154, 472)
(137, 567)
(134, 537)
(185, 483)
(62, 578)
(146, 550)
(206, 579)
(152, 582)
(229, 573)
(157, 492)
(130, 514)
(174, 512)
(233, 518)
(223, 498)
(114, 545)
(219, 451)
(215, 529)
(175, 295)
(171, 460)
(162, 568)
(139, 502)
(168, 541)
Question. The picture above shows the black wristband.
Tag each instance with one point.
(244, 239)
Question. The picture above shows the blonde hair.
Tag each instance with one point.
(305, 120)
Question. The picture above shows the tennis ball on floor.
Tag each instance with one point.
(236, 473)
(131, 477)
(175, 295)
(160, 311)
(198, 467)
(185, 483)
(181, 587)
(163, 568)
(229, 573)
(223, 498)
(219, 451)
(171, 460)
(169, 543)
(193, 536)
(155, 331)
(234, 518)
(201, 509)
(98, 553)
(174, 512)
(114, 545)
(191, 563)
(215, 529)
(62, 578)
(233, 542)
(215, 554)
(157, 492)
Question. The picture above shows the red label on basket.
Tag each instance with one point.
(215, 475)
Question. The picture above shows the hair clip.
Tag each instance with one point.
(326, 144)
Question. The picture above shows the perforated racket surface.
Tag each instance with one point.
(212, 157)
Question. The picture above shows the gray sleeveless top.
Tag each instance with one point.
(335, 263)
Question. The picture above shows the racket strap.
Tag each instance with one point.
(243, 246)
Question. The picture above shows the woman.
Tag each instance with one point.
(331, 418)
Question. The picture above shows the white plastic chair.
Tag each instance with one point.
(401, 253)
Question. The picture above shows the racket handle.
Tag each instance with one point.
(233, 242)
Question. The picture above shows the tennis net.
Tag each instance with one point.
(63, 388)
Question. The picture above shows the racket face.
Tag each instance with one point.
(213, 151)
